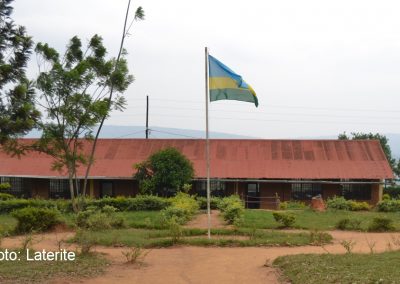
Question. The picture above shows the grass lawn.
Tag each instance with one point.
(310, 220)
(144, 219)
(197, 237)
(41, 271)
(348, 268)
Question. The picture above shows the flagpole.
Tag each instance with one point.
(207, 150)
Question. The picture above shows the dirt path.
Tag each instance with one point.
(207, 265)
(201, 221)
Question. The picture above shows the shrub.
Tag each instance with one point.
(286, 219)
(358, 206)
(6, 196)
(138, 203)
(180, 215)
(391, 205)
(290, 205)
(95, 219)
(183, 208)
(5, 185)
(348, 224)
(392, 191)
(233, 213)
(338, 203)
(381, 224)
(320, 238)
(214, 202)
(36, 219)
(232, 209)
(386, 197)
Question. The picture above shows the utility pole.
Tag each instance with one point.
(147, 117)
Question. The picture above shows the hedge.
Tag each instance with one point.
(138, 203)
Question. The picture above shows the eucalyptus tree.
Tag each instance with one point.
(18, 114)
(74, 96)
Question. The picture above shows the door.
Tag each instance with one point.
(106, 189)
(253, 196)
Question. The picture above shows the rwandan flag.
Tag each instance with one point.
(227, 85)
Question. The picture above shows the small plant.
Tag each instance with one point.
(175, 229)
(232, 209)
(389, 205)
(27, 241)
(84, 242)
(320, 238)
(381, 224)
(36, 219)
(286, 219)
(348, 224)
(6, 196)
(348, 245)
(5, 186)
(95, 219)
(135, 255)
(371, 246)
(396, 240)
(386, 197)
(339, 203)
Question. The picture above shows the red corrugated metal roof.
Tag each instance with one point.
(237, 159)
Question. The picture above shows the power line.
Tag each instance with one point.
(133, 133)
(176, 134)
(270, 113)
(275, 120)
(287, 106)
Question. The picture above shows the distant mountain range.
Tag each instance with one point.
(116, 131)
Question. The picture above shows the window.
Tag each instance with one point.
(59, 188)
(305, 191)
(217, 188)
(356, 191)
(18, 187)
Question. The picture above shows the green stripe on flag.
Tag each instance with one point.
(233, 94)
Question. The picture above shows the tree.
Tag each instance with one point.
(18, 114)
(370, 136)
(74, 93)
(164, 172)
(139, 15)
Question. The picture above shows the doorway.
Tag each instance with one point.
(106, 189)
(253, 196)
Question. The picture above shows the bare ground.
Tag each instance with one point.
(182, 264)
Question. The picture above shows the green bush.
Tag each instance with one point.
(5, 185)
(183, 208)
(386, 197)
(286, 219)
(348, 224)
(6, 196)
(340, 203)
(138, 203)
(391, 205)
(232, 209)
(359, 206)
(214, 201)
(32, 219)
(291, 205)
(381, 224)
(99, 219)
(392, 191)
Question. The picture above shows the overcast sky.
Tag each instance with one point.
(318, 67)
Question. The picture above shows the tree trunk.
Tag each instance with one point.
(72, 191)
